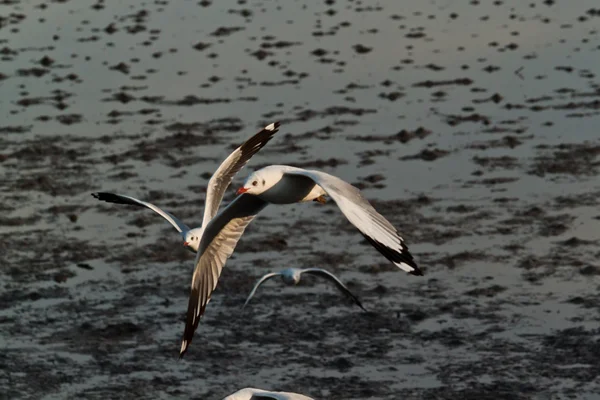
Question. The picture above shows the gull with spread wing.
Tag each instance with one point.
(218, 183)
(291, 276)
(281, 184)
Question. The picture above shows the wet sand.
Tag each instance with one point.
(472, 126)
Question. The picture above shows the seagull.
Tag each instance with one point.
(281, 184)
(291, 276)
(217, 185)
(259, 394)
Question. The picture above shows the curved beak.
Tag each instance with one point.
(241, 190)
(186, 244)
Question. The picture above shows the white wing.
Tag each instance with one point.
(121, 199)
(375, 228)
(216, 246)
(260, 281)
(223, 176)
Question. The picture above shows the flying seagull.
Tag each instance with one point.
(291, 276)
(280, 184)
(217, 185)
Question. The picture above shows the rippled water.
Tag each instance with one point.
(471, 125)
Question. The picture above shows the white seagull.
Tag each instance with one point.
(281, 184)
(291, 276)
(259, 394)
(217, 185)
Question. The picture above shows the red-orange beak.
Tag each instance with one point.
(186, 244)
(241, 190)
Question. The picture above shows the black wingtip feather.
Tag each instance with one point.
(258, 141)
(190, 327)
(402, 256)
(416, 272)
(354, 299)
(114, 198)
(358, 303)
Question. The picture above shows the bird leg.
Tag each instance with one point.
(321, 199)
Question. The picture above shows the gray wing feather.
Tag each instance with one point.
(122, 199)
(260, 282)
(378, 231)
(328, 275)
(216, 246)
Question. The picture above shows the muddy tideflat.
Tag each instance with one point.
(471, 126)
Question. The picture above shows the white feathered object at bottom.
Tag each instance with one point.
(260, 394)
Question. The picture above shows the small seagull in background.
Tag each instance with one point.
(291, 276)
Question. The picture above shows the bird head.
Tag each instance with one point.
(260, 181)
(192, 239)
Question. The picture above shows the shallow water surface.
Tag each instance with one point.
(471, 125)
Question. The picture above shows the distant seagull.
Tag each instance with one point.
(217, 185)
(280, 184)
(291, 276)
(259, 394)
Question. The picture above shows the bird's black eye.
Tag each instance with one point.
(254, 183)
(263, 182)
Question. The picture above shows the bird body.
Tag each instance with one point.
(277, 190)
(291, 276)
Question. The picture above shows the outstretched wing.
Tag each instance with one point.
(223, 176)
(216, 246)
(375, 228)
(121, 199)
(328, 275)
(260, 281)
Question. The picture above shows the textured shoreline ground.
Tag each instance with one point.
(472, 127)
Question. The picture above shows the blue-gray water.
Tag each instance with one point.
(472, 126)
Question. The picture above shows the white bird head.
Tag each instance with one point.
(291, 276)
(261, 180)
(192, 239)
